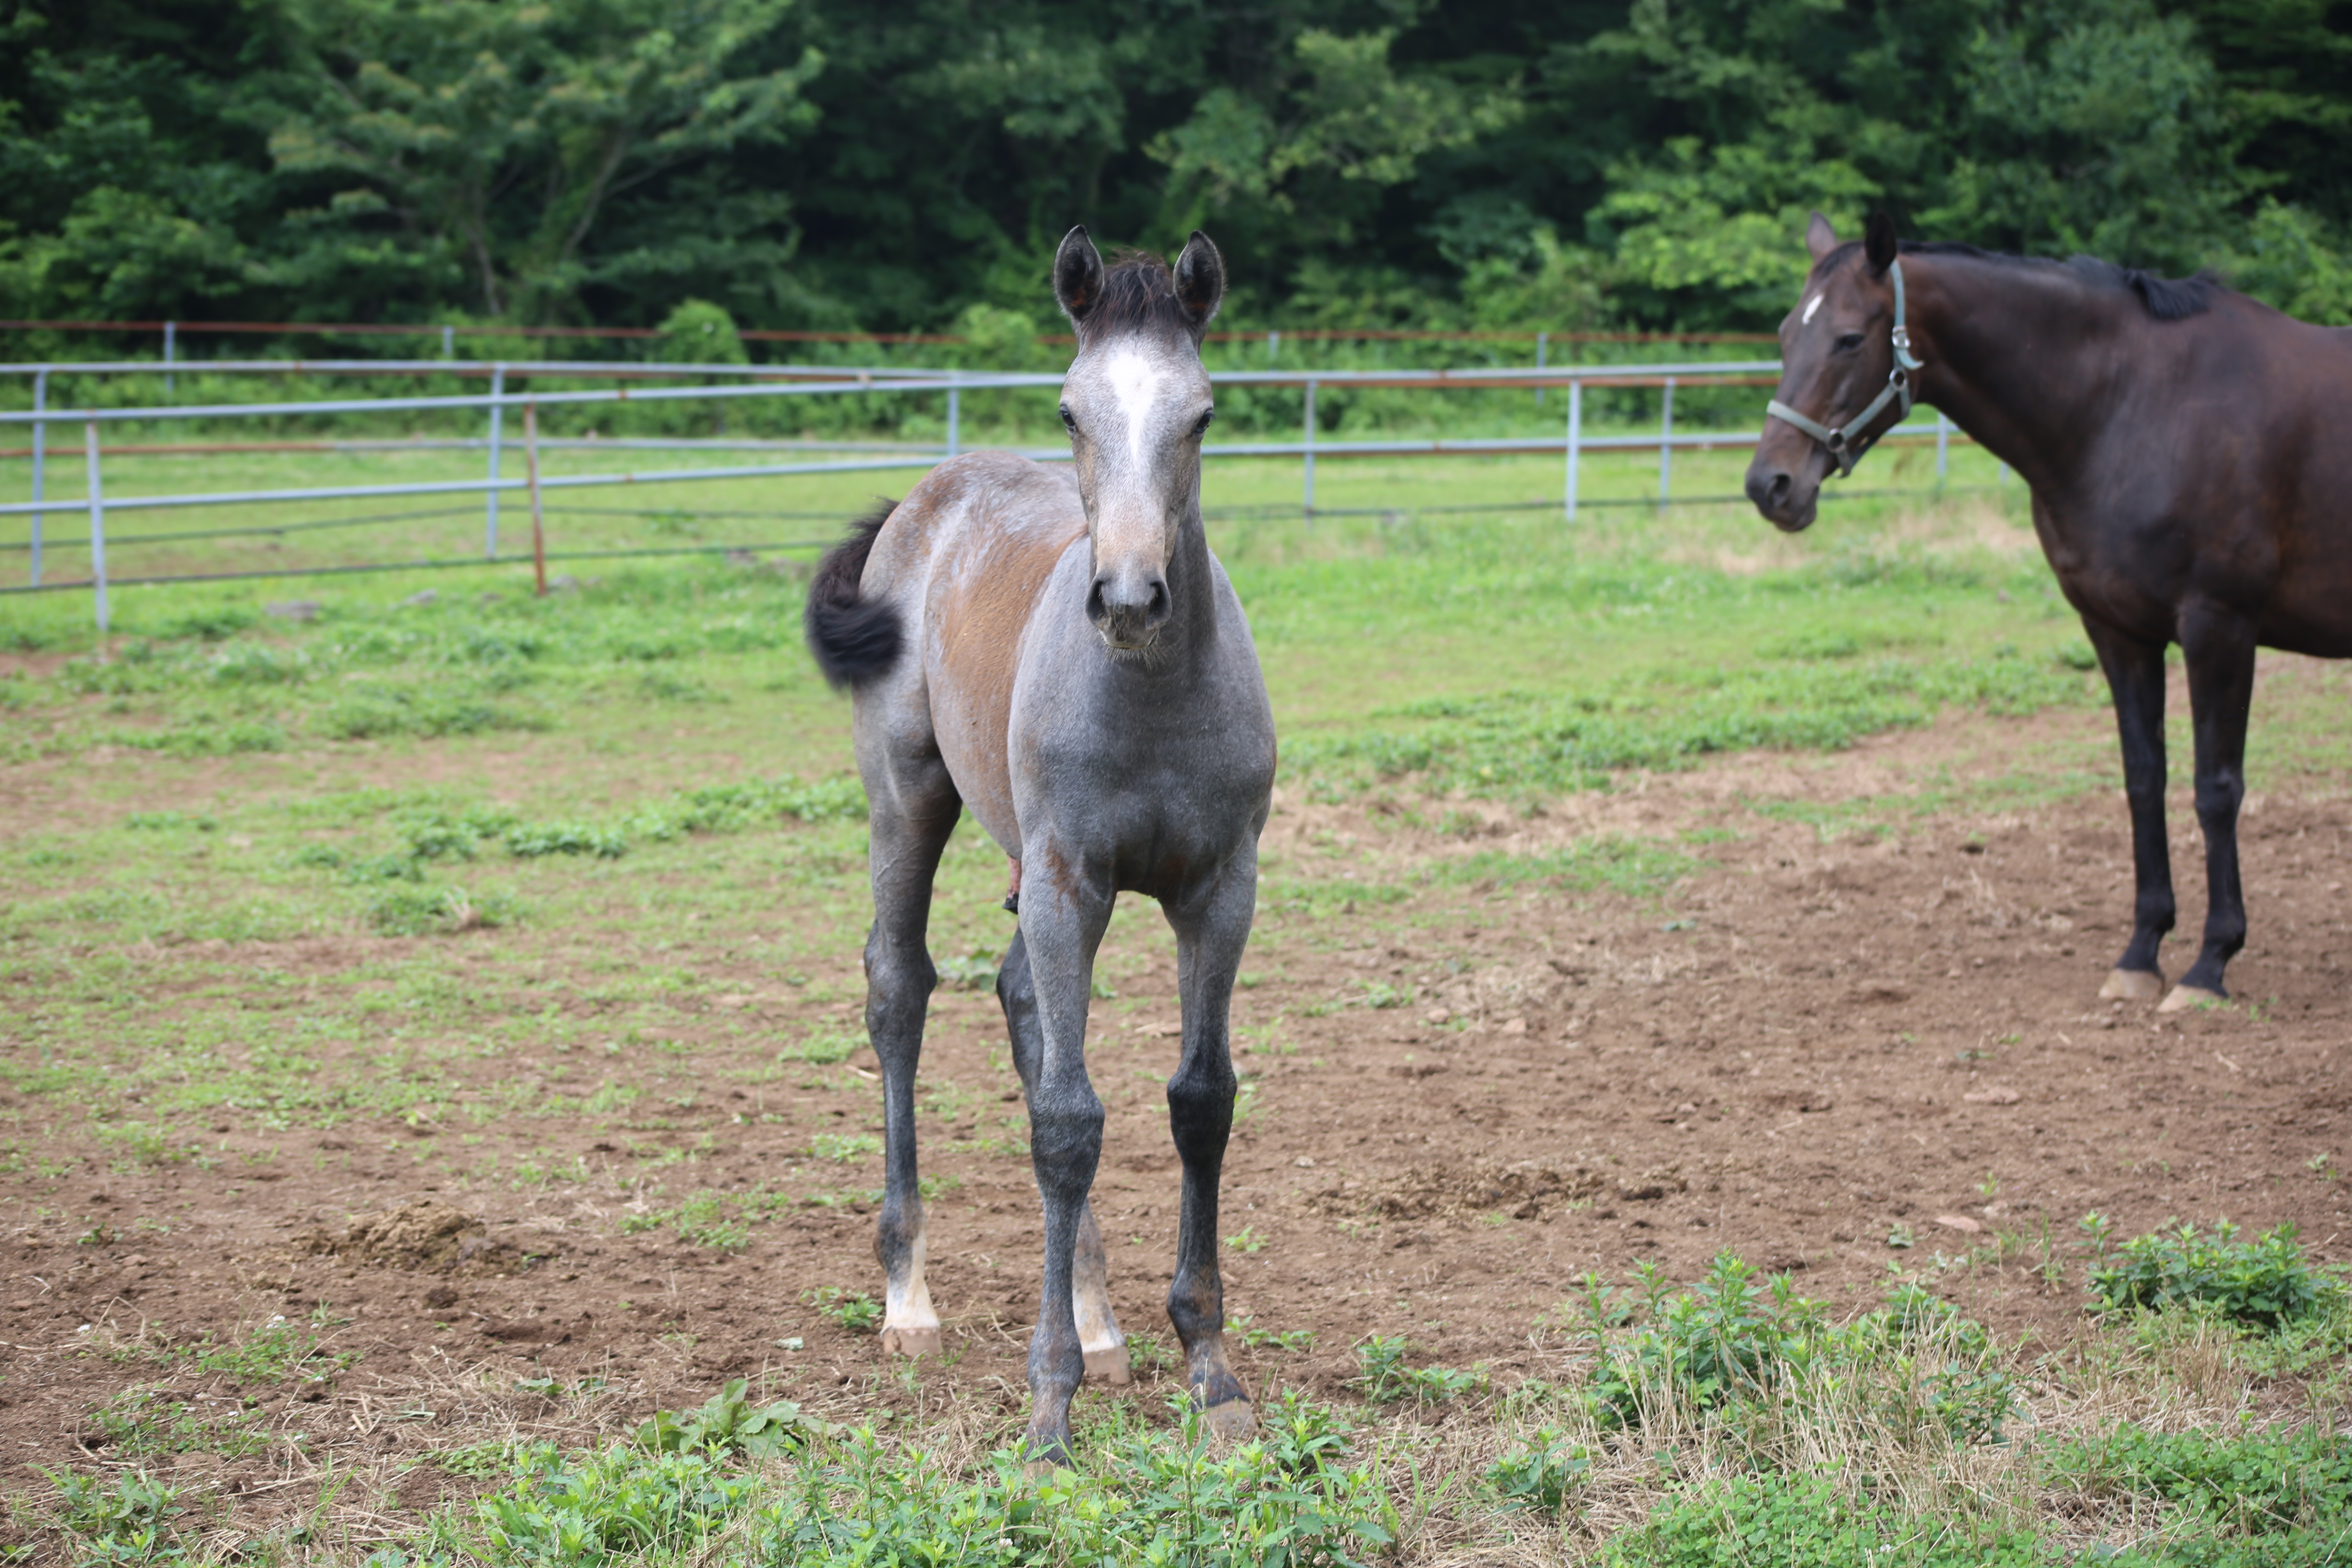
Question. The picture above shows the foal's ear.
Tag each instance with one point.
(1819, 238)
(1200, 279)
(1077, 275)
(1878, 242)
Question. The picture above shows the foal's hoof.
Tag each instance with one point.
(2184, 997)
(1229, 1422)
(911, 1342)
(1110, 1366)
(2133, 985)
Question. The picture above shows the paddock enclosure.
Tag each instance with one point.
(433, 1017)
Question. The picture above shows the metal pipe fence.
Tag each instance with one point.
(1574, 443)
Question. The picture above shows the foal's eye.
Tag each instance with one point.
(1070, 420)
(1848, 343)
(1201, 426)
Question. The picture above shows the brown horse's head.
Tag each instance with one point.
(1836, 353)
(1135, 403)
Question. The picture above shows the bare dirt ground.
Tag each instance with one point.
(1804, 1049)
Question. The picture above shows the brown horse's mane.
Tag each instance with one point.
(1139, 294)
(2166, 299)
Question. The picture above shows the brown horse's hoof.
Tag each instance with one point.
(910, 1341)
(2184, 997)
(1110, 1366)
(1229, 1422)
(2133, 985)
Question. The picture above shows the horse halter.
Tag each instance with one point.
(1845, 449)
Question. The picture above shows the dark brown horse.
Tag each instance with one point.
(2191, 471)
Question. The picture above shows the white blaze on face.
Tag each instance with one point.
(1811, 306)
(1135, 382)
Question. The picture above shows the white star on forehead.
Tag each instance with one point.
(1811, 306)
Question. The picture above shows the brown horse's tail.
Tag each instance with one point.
(853, 639)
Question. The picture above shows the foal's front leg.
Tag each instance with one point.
(1062, 924)
(2220, 651)
(2134, 672)
(1210, 937)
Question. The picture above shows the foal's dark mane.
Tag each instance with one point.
(2166, 299)
(1139, 294)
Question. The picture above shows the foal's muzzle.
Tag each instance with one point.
(1128, 607)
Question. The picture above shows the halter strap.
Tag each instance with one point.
(1844, 448)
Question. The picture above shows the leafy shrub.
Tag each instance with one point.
(1541, 1471)
(2265, 1283)
(129, 1521)
(728, 1423)
(1382, 1373)
(1729, 1335)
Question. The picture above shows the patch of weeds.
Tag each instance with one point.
(823, 1049)
(729, 1423)
(2271, 1488)
(1320, 899)
(974, 971)
(1798, 1520)
(1296, 1341)
(437, 910)
(1635, 867)
(279, 1350)
(2266, 1283)
(1729, 1334)
(140, 1423)
(1249, 1240)
(168, 822)
(853, 1310)
(845, 1145)
(1540, 1470)
(129, 1520)
(531, 839)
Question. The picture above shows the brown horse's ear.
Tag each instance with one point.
(1077, 276)
(1878, 242)
(1200, 279)
(1819, 238)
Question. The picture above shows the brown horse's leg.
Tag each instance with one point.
(1062, 922)
(2134, 671)
(1209, 943)
(898, 981)
(1103, 1346)
(2219, 648)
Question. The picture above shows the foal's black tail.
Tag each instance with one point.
(853, 639)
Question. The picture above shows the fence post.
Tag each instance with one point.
(1943, 448)
(1311, 448)
(955, 416)
(1666, 443)
(497, 389)
(1273, 345)
(1575, 439)
(449, 342)
(171, 336)
(530, 460)
(97, 523)
(1543, 342)
(40, 461)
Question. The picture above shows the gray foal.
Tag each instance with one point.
(1059, 652)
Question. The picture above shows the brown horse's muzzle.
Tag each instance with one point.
(1784, 478)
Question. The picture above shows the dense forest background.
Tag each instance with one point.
(909, 164)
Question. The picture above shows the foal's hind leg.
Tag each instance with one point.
(2134, 671)
(1099, 1339)
(1210, 936)
(911, 822)
(2219, 650)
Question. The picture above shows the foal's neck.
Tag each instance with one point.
(2008, 357)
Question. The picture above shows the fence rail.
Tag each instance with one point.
(771, 381)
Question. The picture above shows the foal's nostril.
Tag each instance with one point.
(1096, 608)
(1156, 610)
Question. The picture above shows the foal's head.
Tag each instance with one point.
(1836, 353)
(1135, 404)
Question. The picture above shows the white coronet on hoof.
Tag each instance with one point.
(1110, 1366)
(1231, 1422)
(2132, 986)
(2184, 997)
(912, 1341)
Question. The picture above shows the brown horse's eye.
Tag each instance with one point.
(1848, 343)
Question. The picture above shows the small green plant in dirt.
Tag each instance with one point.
(1811, 1521)
(853, 1310)
(823, 1049)
(279, 1350)
(729, 1423)
(431, 911)
(700, 1220)
(139, 1423)
(1540, 1470)
(1729, 1334)
(976, 971)
(129, 1519)
(2265, 1283)
(2275, 1491)
(845, 1145)
(1382, 1375)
